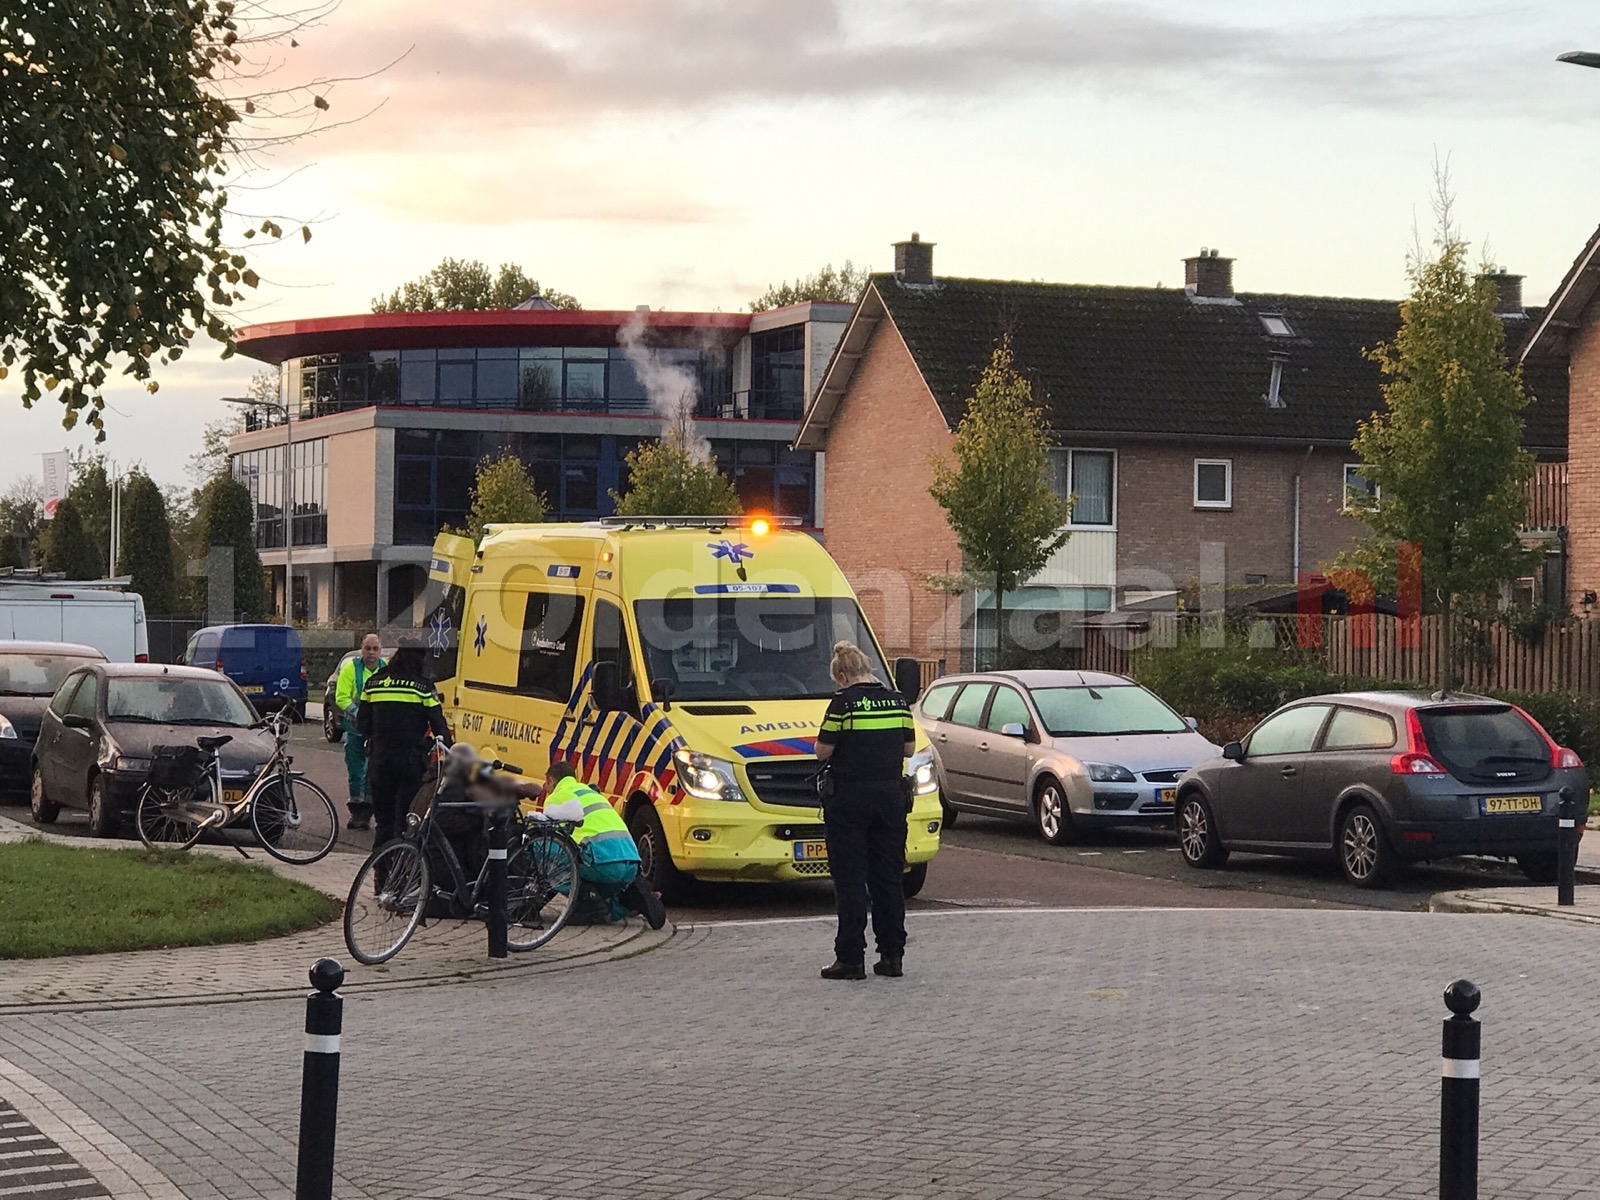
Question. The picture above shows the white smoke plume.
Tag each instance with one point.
(673, 389)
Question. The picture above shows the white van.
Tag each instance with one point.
(98, 615)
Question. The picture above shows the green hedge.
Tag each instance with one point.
(1229, 688)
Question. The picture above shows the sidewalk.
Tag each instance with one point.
(441, 951)
(1538, 901)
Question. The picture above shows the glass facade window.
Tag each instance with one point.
(531, 378)
(1091, 476)
(768, 476)
(778, 374)
(262, 472)
(576, 473)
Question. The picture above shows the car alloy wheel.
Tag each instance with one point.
(1197, 834)
(1363, 851)
(1053, 816)
(44, 810)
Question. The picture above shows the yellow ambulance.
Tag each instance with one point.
(680, 665)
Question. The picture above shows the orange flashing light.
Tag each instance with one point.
(760, 527)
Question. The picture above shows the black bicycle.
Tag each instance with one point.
(395, 892)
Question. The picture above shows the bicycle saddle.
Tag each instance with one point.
(213, 743)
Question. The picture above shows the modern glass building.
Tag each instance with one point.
(392, 412)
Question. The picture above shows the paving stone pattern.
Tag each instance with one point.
(278, 966)
(1203, 1055)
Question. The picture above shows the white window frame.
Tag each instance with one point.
(1227, 501)
(1376, 491)
(1116, 467)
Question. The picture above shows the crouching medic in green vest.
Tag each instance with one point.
(608, 861)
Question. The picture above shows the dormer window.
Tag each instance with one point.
(1275, 325)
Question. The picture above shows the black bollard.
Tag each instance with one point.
(1458, 1095)
(1567, 849)
(319, 1083)
(496, 916)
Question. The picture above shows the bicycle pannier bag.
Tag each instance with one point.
(177, 767)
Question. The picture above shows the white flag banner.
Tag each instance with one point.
(56, 468)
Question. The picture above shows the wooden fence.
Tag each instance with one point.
(1566, 658)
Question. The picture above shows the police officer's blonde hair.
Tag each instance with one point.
(849, 663)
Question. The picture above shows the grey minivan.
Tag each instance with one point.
(1066, 750)
(1380, 778)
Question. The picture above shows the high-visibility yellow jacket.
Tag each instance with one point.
(603, 833)
(353, 676)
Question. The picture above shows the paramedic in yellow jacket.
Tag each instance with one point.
(608, 860)
(347, 689)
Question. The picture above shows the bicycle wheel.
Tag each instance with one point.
(386, 902)
(171, 818)
(541, 887)
(299, 826)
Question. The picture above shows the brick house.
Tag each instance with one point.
(1206, 434)
(1565, 340)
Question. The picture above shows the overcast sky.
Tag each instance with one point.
(686, 153)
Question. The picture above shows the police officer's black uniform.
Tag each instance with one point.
(398, 711)
(871, 732)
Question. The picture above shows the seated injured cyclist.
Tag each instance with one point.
(608, 860)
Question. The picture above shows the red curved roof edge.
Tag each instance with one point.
(275, 341)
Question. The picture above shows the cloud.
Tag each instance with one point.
(463, 192)
(554, 62)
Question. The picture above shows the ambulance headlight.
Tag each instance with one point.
(920, 768)
(707, 778)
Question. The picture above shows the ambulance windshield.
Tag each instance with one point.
(760, 647)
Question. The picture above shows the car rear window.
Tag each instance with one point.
(1486, 743)
(1354, 729)
(937, 702)
(968, 709)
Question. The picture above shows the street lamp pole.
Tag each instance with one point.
(284, 407)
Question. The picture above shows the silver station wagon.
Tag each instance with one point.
(1066, 750)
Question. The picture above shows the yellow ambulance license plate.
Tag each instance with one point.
(1169, 795)
(811, 852)
(1513, 804)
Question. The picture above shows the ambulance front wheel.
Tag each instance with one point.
(914, 878)
(655, 860)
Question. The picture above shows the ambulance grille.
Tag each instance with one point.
(786, 782)
(811, 868)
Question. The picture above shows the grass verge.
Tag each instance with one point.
(65, 900)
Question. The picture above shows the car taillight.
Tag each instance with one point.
(1416, 760)
(303, 675)
(141, 658)
(220, 664)
(1560, 757)
(1415, 764)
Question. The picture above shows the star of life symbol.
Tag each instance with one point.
(481, 638)
(735, 554)
(439, 633)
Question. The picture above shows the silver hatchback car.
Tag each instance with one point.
(1066, 750)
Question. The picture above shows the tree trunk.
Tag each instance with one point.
(999, 622)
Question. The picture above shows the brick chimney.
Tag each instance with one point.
(1208, 276)
(913, 260)
(1508, 294)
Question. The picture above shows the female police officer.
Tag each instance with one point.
(865, 738)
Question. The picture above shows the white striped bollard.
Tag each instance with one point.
(495, 918)
(1567, 848)
(1458, 1095)
(319, 1083)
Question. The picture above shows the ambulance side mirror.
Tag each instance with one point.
(607, 687)
(908, 678)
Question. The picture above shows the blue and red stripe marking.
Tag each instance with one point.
(779, 748)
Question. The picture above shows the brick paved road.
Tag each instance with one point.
(1121, 1053)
